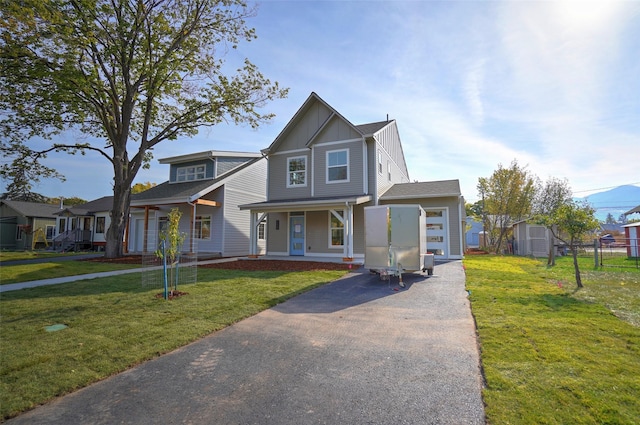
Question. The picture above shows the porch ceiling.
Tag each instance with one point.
(306, 204)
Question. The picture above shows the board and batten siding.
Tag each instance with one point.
(306, 126)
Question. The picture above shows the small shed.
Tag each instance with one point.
(632, 237)
(531, 239)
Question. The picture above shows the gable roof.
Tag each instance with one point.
(207, 155)
(89, 208)
(433, 189)
(313, 98)
(170, 193)
(32, 209)
(633, 210)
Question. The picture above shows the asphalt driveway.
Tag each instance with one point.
(355, 351)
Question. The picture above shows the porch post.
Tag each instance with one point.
(349, 229)
(253, 238)
(146, 228)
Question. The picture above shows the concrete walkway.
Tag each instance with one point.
(65, 279)
(355, 351)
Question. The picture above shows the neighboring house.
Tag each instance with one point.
(474, 230)
(21, 222)
(83, 227)
(323, 172)
(531, 239)
(632, 238)
(207, 188)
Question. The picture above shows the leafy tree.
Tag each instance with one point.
(555, 193)
(474, 210)
(127, 75)
(72, 201)
(141, 187)
(21, 174)
(507, 196)
(571, 222)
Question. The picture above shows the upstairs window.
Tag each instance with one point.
(379, 162)
(338, 166)
(191, 173)
(297, 171)
(388, 170)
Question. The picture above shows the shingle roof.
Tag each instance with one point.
(423, 190)
(185, 190)
(371, 128)
(33, 209)
(89, 208)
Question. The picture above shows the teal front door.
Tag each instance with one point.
(296, 238)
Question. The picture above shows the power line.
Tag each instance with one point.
(604, 188)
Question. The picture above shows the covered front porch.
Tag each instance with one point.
(322, 228)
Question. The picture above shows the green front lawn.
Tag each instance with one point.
(116, 323)
(552, 354)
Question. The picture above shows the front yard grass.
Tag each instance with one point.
(553, 354)
(116, 323)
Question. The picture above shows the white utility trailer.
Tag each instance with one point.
(396, 240)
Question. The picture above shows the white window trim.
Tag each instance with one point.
(333, 213)
(195, 173)
(379, 162)
(348, 179)
(306, 174)
(388, 170)
(200, 220)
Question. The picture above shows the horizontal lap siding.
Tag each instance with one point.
(279, 173)
(355, 184)
(247, 187)
(277, 233)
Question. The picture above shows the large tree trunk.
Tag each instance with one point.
(124, 173)
(119, 218)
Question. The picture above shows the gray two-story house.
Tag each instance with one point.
(323, 171)
(206, 187)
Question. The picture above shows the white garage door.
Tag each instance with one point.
(437, 233)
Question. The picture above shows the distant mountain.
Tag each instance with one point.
(615, 201)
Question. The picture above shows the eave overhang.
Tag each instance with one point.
(310, 204)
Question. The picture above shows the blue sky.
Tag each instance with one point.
(473, 84)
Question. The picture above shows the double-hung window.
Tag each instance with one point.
(297, 171)
(338, 166)
(100, 224)
(191, 173)
(202, 226)
(336, 229)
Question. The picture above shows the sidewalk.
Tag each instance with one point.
(65, 279)
(355, 351)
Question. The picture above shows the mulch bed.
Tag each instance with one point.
(249, 265)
